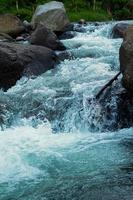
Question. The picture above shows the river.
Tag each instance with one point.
(56, 141)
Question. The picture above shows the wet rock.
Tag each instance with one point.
(52, 15)
(43, 36)
(126, 59)
(69, 27)
(96, 23)
(5, 37)
(125, 110)
(27, 25)
(23, 37)
(82, 22)
(17, 60)
(66, 35)
(79, 28)
(20, 38)
(64, 55)
(119, 30)
(11, 25)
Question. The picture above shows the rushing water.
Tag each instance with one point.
(56, 141)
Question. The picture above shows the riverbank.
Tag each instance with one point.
(24, 10)
(76, 10)
(87, 14)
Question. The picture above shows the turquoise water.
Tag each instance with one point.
(54, 145)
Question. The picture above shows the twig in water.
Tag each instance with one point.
(107, 85)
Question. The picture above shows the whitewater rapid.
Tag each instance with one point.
(56, 142)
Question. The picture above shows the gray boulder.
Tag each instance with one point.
(17, 60)
(43, 36)
(52, 15)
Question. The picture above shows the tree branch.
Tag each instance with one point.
(107, 85)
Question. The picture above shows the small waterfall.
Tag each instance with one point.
(65, 96)
(59, 94)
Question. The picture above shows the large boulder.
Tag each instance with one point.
(17, 60)
(11, 25)
(126, 59)
(52, 15)
(45, 37)
(119, 30)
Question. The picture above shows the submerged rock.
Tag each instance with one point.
(17, 60)
(11, 25)
(52, 15)
(126, 59)
(45, 37)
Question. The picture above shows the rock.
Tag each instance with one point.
(52, 15)
(26, 36)
(23, 37)
(119, 30)
(11, 25)
(5, 38)
(67, 32)
(82, 22)
(79, 28)
(20, 38)
(96, 23)
(43, 36)
(17, 60)
(125, 110)
(126, 59)
(64, 55)
(66, 35)
(69, 27)
(27, 25)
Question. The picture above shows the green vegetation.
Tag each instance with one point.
(90, 10)
(89, 15)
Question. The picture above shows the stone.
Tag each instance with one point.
(43, 36)
(17, 60)
(126, 59)
(82, 22)
(52, 15)
(27, 25)
(119, 30)
(67, 35)
(11, 25)
(20, 38)
(5, 38)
